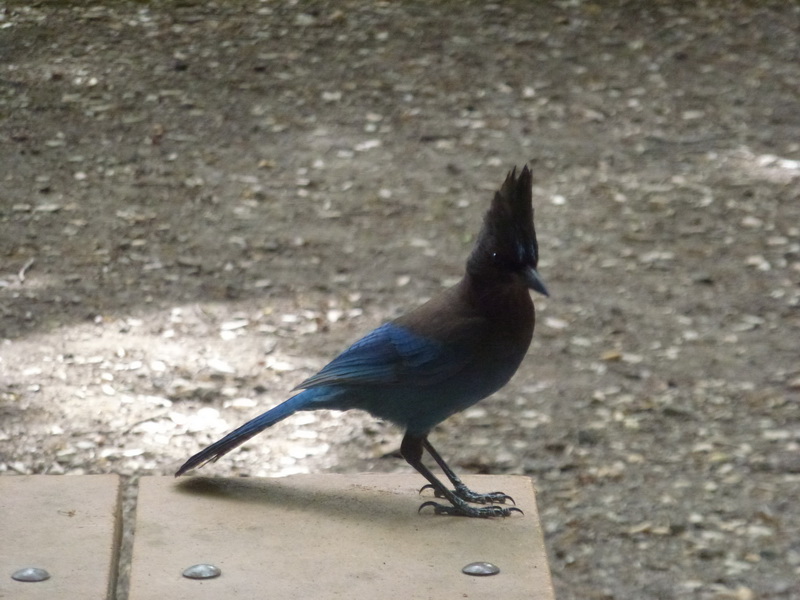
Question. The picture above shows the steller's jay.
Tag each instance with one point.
(456, 349)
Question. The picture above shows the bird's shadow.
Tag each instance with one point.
(346, 499)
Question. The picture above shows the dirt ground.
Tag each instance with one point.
(203, 202)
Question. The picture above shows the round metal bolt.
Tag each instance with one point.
(481, 569)
(30, 574)
(202, 571)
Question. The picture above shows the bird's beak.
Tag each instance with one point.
(535, 282)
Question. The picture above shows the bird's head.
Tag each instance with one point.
(507, 242)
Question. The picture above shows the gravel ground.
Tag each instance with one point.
(202, 203)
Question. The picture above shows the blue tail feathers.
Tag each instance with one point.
(254, 426)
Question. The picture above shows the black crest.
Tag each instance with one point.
(507, 239)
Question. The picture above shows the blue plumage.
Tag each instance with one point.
(388, 355)
(440, 358)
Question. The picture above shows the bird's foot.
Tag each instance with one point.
(467, 495)
(465, 510)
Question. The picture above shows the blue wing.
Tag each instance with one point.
(389, 355)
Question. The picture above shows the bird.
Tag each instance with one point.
(440, 358)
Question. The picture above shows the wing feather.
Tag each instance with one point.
(390, 354)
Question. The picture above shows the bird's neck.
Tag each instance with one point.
(499, 296)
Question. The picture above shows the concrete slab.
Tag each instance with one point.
(68, 526)
(330, 536)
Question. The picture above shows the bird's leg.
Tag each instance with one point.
(411, 449)
(461, 490)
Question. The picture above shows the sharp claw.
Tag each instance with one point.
(469, 511)
(464, 493)
(491, 498)
(495, 497)
(426, 504)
